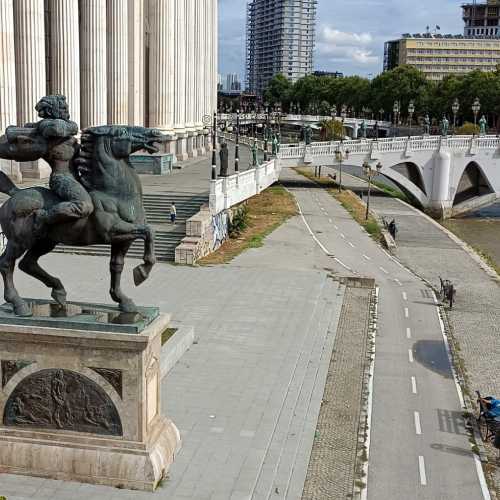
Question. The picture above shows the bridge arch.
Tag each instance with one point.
(473, 183)
(408, 177)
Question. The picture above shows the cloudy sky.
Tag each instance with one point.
(350, 33)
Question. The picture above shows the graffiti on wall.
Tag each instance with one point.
(220, 229)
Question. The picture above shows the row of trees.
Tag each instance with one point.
(375, 98)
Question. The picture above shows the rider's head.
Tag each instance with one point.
(53, 106)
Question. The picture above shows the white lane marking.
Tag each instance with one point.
(366, 257)
(342, 235)
(310, 230)
(383, 270)
(421, 469)
(398, 282)
(418, 429)
(336, 227)
(407, 312)
(410, 356)
(351, 244)
(405, 297)
(371, 372)
(330, 221)
(408, 333)
(479, 467)
(342, 264)
(414, 385)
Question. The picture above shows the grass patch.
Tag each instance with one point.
(392, 192)
(167, 334)
(265, 212)
(349, 201)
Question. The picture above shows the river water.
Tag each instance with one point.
(481, 229)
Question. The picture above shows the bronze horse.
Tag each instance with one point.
(101, 165)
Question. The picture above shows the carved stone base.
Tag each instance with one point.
(84, 405)
(48, 455)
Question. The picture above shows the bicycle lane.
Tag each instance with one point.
(419, 447)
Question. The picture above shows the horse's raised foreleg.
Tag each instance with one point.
(125, 231)
(118, 252)
(7, 263)
(29, 264)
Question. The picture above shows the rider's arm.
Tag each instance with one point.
(57, 128)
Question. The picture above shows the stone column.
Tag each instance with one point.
(65, 54)
(93, 63)
(31, 78)
(8, 81)
(180, 78)
(162, 69)
(136, 62)
(190, 77)
(215, 44)
(200, 10)
(207, 99)
(117, 12)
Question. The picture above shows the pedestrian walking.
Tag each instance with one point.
(393, 229)
(173, 212)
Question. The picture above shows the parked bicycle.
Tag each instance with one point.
(488, 423)
(447, 291)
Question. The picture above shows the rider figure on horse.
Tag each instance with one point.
(53, 139)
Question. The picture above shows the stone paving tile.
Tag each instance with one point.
(332, 464)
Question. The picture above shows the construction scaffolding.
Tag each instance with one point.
(280, 39)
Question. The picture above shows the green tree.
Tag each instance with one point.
(403, 84)
(331, 130)
(278, 90)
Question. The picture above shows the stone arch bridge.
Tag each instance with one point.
(447, 175)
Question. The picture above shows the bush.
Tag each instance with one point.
(468, 129)
(239, 221)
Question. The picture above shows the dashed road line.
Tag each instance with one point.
(366, 257)
(421, 470)
(408, 333)
(414, 385)
(407, 313)
(351, 244)
(336, 227)
(418, 428)
(383, 270)
(343, 265)
(398, 282)
(410, 355)
(342, 235)
(405, 297)
(330, 221)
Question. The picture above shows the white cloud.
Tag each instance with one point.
(346, 47)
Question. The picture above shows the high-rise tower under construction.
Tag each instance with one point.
(280, 39)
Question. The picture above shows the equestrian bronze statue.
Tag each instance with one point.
(95, 197)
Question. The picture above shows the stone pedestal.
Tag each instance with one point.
(80, 397)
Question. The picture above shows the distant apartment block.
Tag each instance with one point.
(481, 19)
(440, 55)
(280, 39)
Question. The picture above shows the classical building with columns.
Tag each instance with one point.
(136, 62)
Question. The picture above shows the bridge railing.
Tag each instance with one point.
(228, 191)
(391, 145)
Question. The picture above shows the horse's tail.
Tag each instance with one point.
(7, 186)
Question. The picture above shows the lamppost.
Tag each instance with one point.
(476, 107)
(454, 108)
(333, 112)
(266, 106)
(340, 156)
(211, 126)
(395, 112)
(237, 143)
(411, 110)
(370, 173)
(343, 114)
